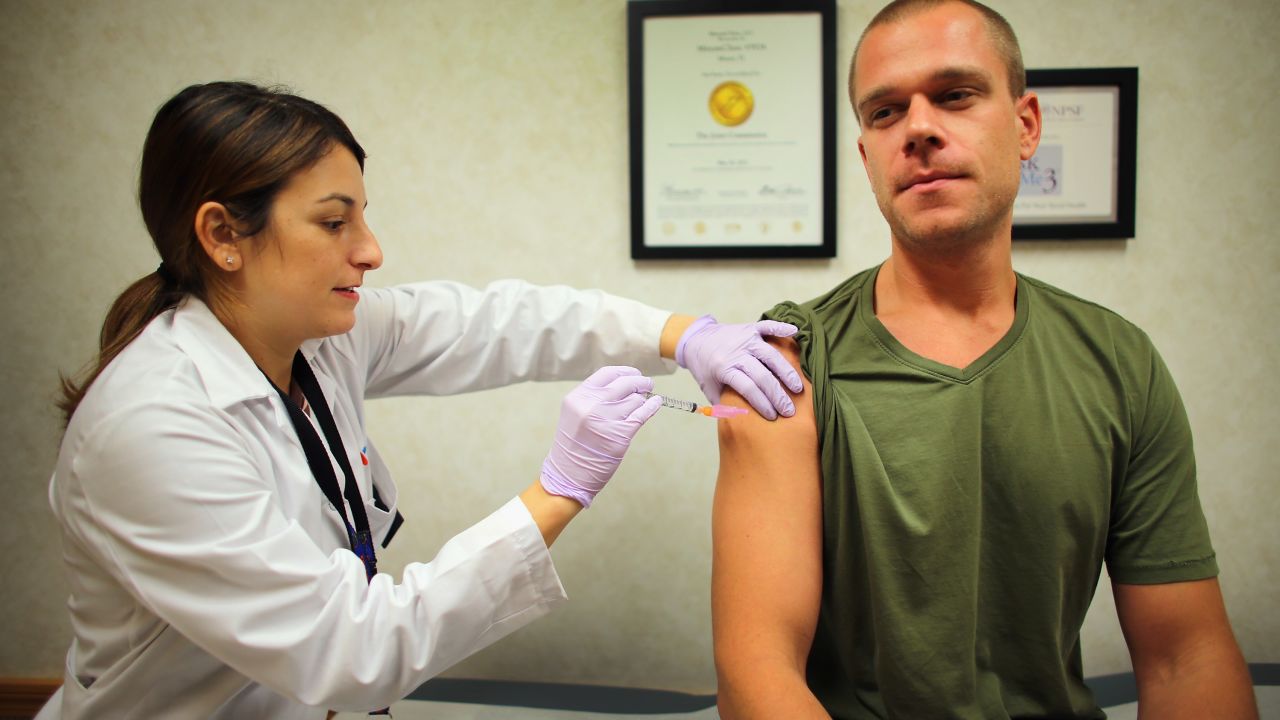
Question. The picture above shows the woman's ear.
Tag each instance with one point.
(220, 241)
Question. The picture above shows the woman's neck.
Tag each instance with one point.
(279, 370)
(272, 353)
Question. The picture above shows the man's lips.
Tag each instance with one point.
(929, 181)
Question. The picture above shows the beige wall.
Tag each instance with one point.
(497, 135)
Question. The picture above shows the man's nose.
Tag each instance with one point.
(923, 126)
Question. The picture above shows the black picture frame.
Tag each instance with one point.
(679, 240)
(1064, 120)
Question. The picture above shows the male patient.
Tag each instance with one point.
(923, 538)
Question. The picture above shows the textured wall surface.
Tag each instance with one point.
(497, 136)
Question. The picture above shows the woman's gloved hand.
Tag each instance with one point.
(597, 421)
(738, 356)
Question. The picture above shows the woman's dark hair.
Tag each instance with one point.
(234, 143)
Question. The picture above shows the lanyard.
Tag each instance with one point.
(358, 534)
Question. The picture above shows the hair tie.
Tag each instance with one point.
(165, 276)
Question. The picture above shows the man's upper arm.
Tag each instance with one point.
(1185, 657)
(1159, 619)
(767, 543)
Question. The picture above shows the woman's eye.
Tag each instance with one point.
(334, 225)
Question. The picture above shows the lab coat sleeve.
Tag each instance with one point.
(442, 338)
(172, 500)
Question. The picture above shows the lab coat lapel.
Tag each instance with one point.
(228, 373)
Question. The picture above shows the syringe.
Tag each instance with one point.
(715, 411)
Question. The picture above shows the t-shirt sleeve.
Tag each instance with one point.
(786, 311)
(1158, 532)
(806, 330)
(790, 312)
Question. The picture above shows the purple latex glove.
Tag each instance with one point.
(738, 356)
(598, 419)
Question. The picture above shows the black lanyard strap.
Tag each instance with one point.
(358, 532)
(359, 536)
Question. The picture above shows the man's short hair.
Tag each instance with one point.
(998, 29)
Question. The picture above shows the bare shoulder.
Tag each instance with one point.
(770, 476)
(752, 436)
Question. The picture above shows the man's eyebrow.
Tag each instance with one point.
(955, 73)
(964, 73)
(873, 96)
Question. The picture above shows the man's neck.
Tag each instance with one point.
(971, 284)
(950, 309)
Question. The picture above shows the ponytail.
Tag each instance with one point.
(138, 305)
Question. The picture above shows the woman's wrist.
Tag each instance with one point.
(551, 513)
(671, 333)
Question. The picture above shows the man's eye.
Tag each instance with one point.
(955, 96)
(881, 114)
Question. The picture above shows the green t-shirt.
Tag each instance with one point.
(967, 513)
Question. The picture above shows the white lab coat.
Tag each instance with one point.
(210, 577)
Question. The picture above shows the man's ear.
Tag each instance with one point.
(1030, 123)
(217, 237)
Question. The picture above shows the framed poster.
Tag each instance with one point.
(732, 115)
(1081, 181)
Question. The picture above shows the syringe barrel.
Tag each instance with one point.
(683, 405)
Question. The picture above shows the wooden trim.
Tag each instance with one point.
(23, 697)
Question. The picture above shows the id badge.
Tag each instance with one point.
(362, 546)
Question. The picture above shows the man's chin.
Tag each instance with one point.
(940, 229)
(944, 228)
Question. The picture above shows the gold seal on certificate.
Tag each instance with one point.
(731, 103)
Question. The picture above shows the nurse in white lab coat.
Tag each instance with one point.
(220, 503)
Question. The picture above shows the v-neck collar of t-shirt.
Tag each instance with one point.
(975, 369)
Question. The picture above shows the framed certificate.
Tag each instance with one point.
(732, 107)
(1080, 183)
